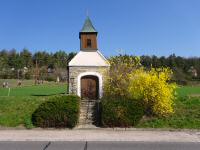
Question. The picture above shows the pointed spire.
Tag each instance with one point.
(88, 27)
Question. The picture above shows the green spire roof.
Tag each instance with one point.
(88, 27)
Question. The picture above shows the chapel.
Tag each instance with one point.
(87, 69)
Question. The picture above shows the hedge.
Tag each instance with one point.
(121, 113)
(58, 112)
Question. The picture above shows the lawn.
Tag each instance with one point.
(188, 91)
(186, 115)
(36, 90)
(16, 109)
(13, 82)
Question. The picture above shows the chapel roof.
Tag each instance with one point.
(89, 58)
(88, 27)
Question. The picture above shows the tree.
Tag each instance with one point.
(3, 59)
(26, 58)
(42, 57)
(60, 59)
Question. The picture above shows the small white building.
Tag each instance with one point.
(87, 68)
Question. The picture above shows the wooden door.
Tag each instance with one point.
(89, 87)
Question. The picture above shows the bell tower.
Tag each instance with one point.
(87, 69)
(88, 37)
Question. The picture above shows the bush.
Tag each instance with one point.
(153, 88)
(50, 78)
(59, 112)
(27, 76)
(121, 113)
(117, 80)
(129, 80)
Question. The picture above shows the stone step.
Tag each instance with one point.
(89, 101)
(87, 109)
(86, 119)
(86, 116)
(85, 122)
(86, 113)
(85, 106)
(88, 104)
(85, 100)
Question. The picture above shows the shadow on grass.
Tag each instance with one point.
(47, 94)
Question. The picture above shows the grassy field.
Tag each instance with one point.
(16, 109)
(13, 82)
(29, 89)
(193, 91)
(39, 90)
(186, 115)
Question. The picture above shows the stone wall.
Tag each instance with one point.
(75, 71)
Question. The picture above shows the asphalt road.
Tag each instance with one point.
(98, 146)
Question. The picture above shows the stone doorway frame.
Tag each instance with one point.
(98, 75)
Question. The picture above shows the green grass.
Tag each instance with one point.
(13, 82)
(187, 112)
(38, 90)
(188, 90)
(16, 109)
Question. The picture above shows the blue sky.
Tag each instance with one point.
(138, 27)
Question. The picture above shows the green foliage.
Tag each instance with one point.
(121, 113)
(128, 80)
(50, 78)
(58, 112)
(27, 75)
(28, 122)
(179, 65)
(11, 61)
(117, 80)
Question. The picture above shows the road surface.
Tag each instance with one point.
(31, 145)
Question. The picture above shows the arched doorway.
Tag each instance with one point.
(89, 87)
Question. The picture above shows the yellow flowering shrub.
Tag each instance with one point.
(153, 88)
(127, 79)
(117, 80)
